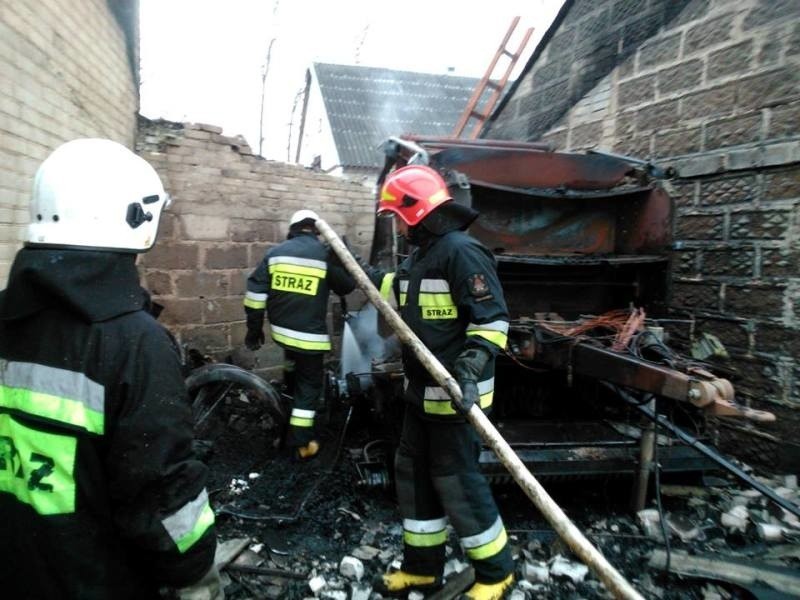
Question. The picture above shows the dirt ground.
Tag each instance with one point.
(304, 518)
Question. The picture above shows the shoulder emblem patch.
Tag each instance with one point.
(477, 285)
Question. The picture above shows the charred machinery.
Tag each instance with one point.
(582, 243)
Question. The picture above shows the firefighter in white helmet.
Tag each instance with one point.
(292, 285)
(100, 492)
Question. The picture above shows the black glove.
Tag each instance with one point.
(255, 328)
(467, 369)
(254, 339)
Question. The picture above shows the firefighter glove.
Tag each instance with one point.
(255, 328)
(467, 369)
(254, 339)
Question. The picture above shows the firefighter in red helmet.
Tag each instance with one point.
(449, 294)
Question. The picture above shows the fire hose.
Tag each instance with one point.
(564, 527)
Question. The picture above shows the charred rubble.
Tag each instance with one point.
(293, 529)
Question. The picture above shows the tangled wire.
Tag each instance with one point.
(623, 324)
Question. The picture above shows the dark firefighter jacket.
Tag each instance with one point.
(100, 494)
(449, 294)
(292, 282)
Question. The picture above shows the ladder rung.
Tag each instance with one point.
(470, 112)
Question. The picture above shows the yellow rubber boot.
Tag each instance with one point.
(489, 591)
(309, 450)
(398, 583)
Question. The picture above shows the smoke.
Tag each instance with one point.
(362, 345)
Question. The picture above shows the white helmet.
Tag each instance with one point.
(303, 215)
(97, 194)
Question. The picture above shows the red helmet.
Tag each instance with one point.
(412, 193)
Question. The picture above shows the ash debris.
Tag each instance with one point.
(307, 530)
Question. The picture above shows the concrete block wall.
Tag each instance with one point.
(713, 88)
(67, 69)
(229, 207)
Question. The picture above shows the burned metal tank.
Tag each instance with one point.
(583, 247)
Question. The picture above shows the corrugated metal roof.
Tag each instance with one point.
(366, 105)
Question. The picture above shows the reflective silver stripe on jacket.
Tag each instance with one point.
(427, 526)
(182, 522)
(302, 262)
(437, 286)
(55, 382)
(301, 335)
(256, 296)
(403, 286)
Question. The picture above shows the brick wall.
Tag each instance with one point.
(67, 69)
(229, 207)
(712, 87)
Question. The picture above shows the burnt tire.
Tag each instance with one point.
(239, 418)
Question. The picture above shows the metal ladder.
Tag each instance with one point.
(497, 86)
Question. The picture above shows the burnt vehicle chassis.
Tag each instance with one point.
(582, 243)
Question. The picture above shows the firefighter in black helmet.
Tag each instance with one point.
(449, 294)
(100, 493)
(292, 284)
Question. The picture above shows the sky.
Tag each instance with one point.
(203, 60)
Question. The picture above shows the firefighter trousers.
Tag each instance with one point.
(436, 470)
(307, 387)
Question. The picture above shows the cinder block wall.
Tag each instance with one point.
(67, 69)
(229, 207)
(713, 87)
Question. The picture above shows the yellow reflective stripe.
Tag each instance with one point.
(436, 400)
(425, 540)
(403, 298)
(386, 285)
(438, 407)
(37, 468)
(490, 549)
(429, 299)
(302, 344)
(498, 338)
(300, 339)
(444, 407)
(250, 303)
(64, 410)
(297, 270)
(205, 521)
